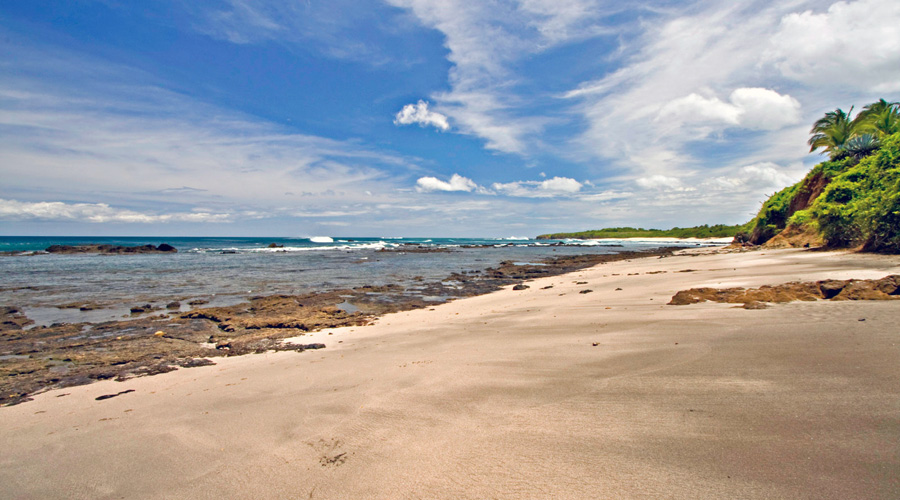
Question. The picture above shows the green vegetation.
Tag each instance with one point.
(851, 200)
(861, 206)
(716, 231)
(842, 137)
(854, 198)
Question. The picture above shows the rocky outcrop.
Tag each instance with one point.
(887, 288)
(110, 249)
(796, 237)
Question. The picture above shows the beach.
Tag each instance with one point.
(546, 392)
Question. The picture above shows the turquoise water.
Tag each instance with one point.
(229, 270)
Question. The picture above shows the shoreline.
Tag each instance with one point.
(160, 338)
(514, 394)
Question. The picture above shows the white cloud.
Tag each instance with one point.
(658, 182)
(560, 185)
(13, 210)
(751, 108)
(484, 39)
(419, 113)
(760, 177)
(698, 89)
(852, 45)
(557, 186)
(457, 183)
(132, 146)
(765, 109)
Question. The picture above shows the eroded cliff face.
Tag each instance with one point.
(808, 190)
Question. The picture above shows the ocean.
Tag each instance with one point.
(227, 270)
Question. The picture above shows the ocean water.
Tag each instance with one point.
(225, 271)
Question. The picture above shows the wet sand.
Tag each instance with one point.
(536, 393)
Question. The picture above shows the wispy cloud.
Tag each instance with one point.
(13, 210)
(484, 40)
(133, 145)
(556, 186)
(771, 60)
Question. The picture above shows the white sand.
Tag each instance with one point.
(505, 396)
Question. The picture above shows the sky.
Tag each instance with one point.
(419, 117)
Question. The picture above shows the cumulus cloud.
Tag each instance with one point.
(457, 183)
(751, 108)
(556, 186)
(419, 113)
(13, 210)
(854, 45)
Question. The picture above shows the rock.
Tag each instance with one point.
(862, 290)
(141, 309)
(886, 288)
(173, 305)
(831, 288)
(11, 318)
(275, 245)
(109, 249)
(586, 291)
(521, 287)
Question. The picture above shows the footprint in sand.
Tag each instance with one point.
(330, 452)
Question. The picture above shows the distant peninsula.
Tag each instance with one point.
(705, 231)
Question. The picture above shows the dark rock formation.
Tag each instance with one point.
(110, 249)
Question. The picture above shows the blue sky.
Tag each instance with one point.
(419, 117)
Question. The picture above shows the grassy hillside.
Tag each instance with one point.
(716, 231)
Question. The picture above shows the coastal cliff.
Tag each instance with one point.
(842, 203)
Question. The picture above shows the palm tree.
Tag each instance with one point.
(832, 131)
(880, 118)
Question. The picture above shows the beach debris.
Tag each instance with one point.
(618, 289)
(586, 291)
(547, 287)
(159, 333)
(521, 287)
(109, 396)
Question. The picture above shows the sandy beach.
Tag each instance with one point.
(547, 392)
